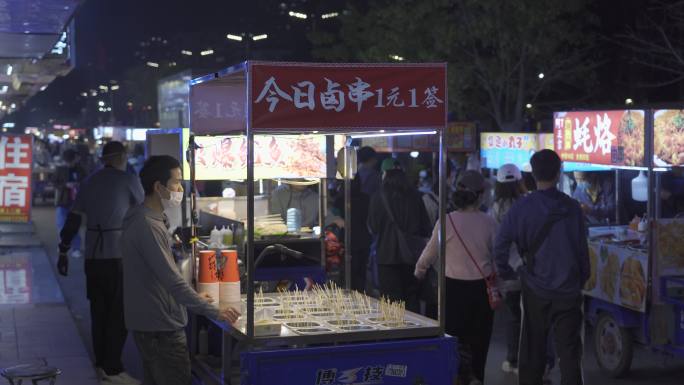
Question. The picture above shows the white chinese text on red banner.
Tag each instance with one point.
(16, 155)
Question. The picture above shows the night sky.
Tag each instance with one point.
(108, 34)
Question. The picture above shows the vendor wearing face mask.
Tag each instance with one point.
(104, 198)
(155, 294)
(596, 196)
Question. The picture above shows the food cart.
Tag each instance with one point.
(326, 335)
(635, 293)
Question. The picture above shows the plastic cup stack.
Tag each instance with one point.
(207, 281)
(294, 220)
(230, 279)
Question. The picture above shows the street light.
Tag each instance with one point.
(101, 103)
(629, 101)
(152, 64)
(207, 52)
(541, 75)
(186, 52)
(234, 37)
(329, 15)
(9, 69)
(297, 15)
(114, 87)
(396, 57)
(260, 37)
(528, 106)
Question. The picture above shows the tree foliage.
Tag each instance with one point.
(656, 42)
(495, 49)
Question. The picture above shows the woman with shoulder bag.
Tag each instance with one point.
(509, 188)
(471, 294)
(398, 219)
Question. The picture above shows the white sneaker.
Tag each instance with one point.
(507, 367)
(120, 379)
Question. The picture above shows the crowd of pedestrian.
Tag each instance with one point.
(505, 246)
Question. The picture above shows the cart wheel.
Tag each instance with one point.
(614, 346)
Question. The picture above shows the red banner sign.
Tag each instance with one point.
(319, 96)
(16, 156)
(600, 137)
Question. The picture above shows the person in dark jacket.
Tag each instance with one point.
(397, 210)
(552, 277)
(360, 237)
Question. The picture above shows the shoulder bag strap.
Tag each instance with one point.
(540, 239)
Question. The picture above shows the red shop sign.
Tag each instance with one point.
(600, 137)
(16, 157)
(319, 96)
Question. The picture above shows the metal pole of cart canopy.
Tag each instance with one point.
(347, 212)
(617, 196)
(650, 208)
(250, 211)
(441, 297)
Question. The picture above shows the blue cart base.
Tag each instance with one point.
(431, 361)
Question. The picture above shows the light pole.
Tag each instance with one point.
(247, 38)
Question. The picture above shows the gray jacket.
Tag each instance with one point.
(155, 294)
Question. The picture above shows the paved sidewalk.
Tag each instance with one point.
(74, 289)
(35, 322)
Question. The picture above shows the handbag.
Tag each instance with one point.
(493, 293)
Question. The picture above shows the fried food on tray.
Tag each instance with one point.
(610, 275)
(632, 283)
(669, 136)
(593, 258)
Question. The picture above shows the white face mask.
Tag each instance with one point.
(174, 200)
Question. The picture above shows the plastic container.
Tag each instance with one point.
(207, 267)
(229, 288)
(227, 236)
(294, 220)
(215, 237)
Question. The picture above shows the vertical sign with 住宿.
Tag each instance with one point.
(613, 138)
(16, 155)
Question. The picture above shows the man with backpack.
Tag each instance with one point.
(550, 232)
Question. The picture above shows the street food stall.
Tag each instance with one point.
(635, 293)
(319, 334)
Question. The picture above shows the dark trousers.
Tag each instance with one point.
(359, 269)
(166, 360)
(470, 319)
(540, 318)
(398, 284)
(514, 317)
(104, 284)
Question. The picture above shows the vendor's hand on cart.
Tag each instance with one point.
(207, 297)
(229, 315)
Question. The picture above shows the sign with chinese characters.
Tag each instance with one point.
(217, 108)
(349, 96)
(614, 138)
(16, 155)
(499, 148)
